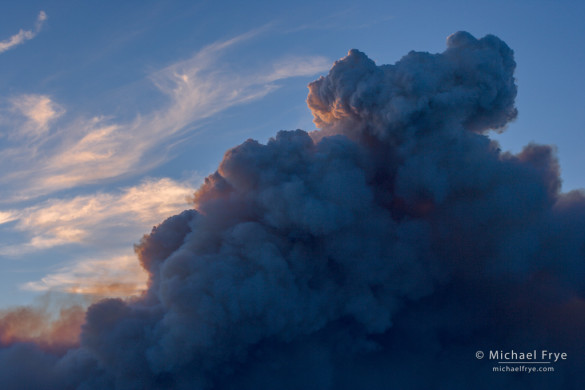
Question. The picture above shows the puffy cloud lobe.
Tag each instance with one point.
(396, 237)
(471, 84)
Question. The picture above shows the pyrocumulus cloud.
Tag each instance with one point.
(380, 251)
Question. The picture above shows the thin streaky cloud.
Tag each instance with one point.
(23, 35)
(298, 66)
(89, 150)
(7, 216)
(222, 45)
(118, 275)
(90, 219)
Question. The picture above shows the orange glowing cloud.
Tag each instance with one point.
(37, 325)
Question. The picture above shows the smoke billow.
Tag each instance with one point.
(37, 325)
(380, 251)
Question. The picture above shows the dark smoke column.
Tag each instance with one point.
(380, 251)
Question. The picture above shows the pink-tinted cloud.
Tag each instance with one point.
(23, 35)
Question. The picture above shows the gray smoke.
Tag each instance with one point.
(381, 251)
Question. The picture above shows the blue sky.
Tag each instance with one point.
(111, 114)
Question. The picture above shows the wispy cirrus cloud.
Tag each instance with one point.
(118, 275)
(7, 216)
(88, 150)
(23, 35)
(38, 112)
(112, 218)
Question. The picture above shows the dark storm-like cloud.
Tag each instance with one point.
(381, 251)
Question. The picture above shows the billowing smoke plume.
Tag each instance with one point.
(381, 251)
